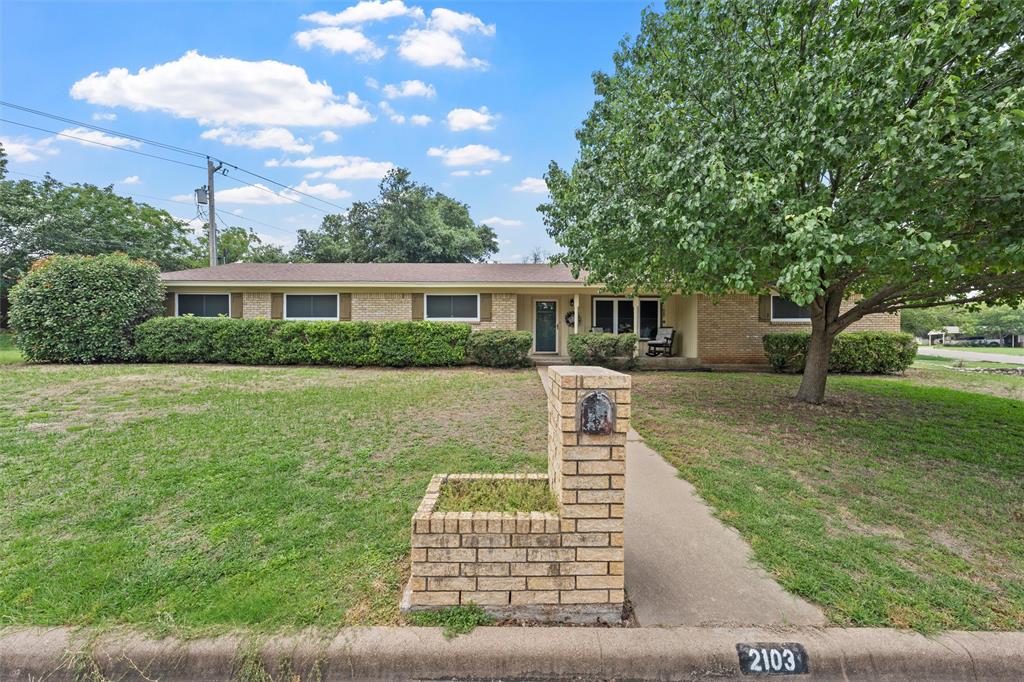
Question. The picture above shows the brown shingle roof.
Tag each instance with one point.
(440, 273)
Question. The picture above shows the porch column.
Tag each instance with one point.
(636, 323)
(576, 315)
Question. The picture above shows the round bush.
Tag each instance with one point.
(852, 352)
(83, 308)
(500, 348)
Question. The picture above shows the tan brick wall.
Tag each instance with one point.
(381, 307)
(728, 330)
(571, 560)
(503, 313)
(255, 305)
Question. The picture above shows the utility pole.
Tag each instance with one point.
(211, 226)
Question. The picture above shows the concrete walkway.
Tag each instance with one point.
(970, 355)
(684, 566)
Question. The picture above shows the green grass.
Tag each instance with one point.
(456, 620)
(997, 350)
(194, 499)
(497, 495)
(942, 372)
(895, 504)
(8, 353)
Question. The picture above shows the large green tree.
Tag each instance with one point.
(871, 151)
(47, 217)
(408, 223)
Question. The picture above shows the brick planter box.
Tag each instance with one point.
(564, 567)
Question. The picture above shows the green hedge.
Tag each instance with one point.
(497, 348)
(279, 342)
(605, 350)
(852, 352)
(83, 308)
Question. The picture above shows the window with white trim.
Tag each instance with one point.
(785, 310)
(204, 305)
(453, 307)
(311, 306)
(615, 316)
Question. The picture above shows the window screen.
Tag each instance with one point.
(625, 307)
(785, 309)
(604, 315)
(452, 307)
(318, 306)
(204, 305)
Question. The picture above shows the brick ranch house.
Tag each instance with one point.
(534, 298)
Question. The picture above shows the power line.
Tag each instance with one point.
(276, 194)
(170, 147)
(102, 144)
(241, 216)
(279, 184)
(92, 126)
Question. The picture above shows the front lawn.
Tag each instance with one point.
(195, 498)
(895, 504)
(994, 350)
(945, 372)
(8, 353)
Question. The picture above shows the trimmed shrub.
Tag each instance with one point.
(84, 308)
(605, 350)
(497, 348)
(852, 352)
(280, 342)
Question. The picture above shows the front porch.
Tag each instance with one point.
(553, 316)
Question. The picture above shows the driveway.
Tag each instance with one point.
(970, 355)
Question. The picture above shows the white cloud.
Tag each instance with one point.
(329, 136)
(104, 116)
(24, 149)
(340, 167)
(467, 173)
(452, 22)
(420, 119)
(532, 185)
(324, 190)
(224, 91)
(362, 12)
(392, 114)
(267, 138)
(347, 40)
(256, 194)
(470, 119)
(130, 180)
(484, 171)
(314, 175)
(85, 136)
(414, 88)
(470, 155)
(437, 44)
(495, 221)
(372, 83)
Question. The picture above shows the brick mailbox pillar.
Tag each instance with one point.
(564, 567)
(588, 418)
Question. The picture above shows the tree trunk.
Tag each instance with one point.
(812, 386)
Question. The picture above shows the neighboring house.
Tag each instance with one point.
(534, 298)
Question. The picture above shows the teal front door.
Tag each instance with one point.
(545, 322)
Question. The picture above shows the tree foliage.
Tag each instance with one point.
(827, 150)
(47, 217)
(408, 223)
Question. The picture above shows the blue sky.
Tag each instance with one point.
(474, 98)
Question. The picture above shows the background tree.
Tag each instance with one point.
(47, 217)
(536, 255)
(408, 223)
(920, 321)
(995, 322)
(827, 150)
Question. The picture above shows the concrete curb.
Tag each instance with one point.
(380, 653)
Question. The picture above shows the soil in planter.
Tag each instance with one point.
(496, 495)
